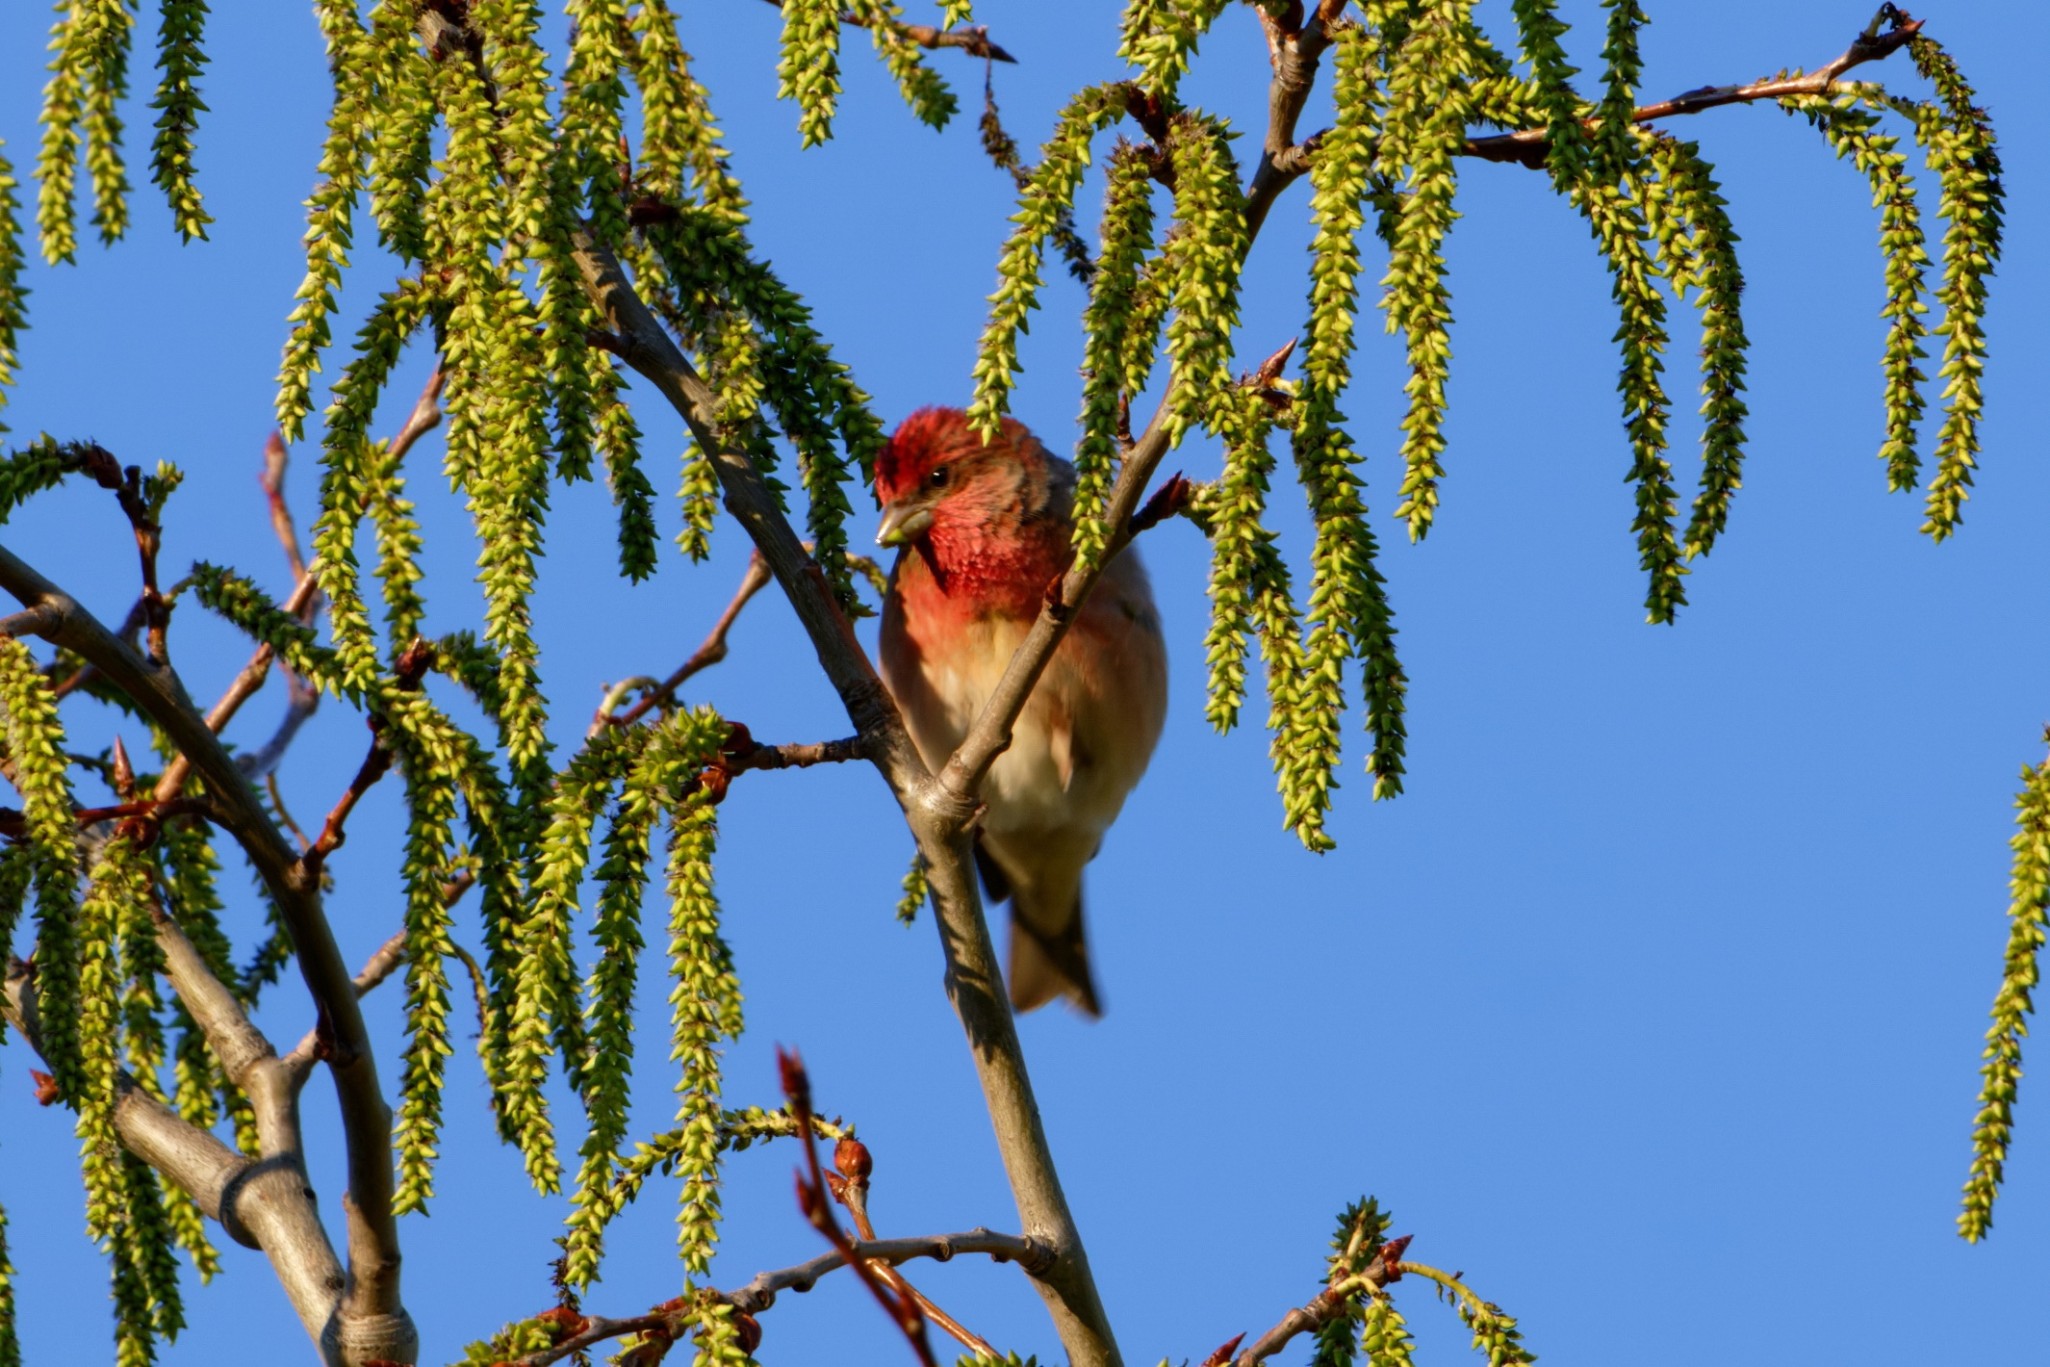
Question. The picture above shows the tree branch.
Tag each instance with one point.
(370, 1320)
(304, 1257)
(1527, 146)
(1294, 48)
(1029, 1253)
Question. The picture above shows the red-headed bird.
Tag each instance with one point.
(981, 531)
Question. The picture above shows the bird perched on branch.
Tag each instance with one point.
(982, 530)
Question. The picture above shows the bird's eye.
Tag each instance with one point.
(938, 478)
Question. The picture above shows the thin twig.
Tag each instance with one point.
(273, 481)
(277, 802)
(239, 690)
(709, 653)
(795, 756)
(376, 764)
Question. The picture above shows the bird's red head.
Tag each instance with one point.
(923, 442)
(935, 458)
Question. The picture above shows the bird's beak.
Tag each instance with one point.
(903, 521)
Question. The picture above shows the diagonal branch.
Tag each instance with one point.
(1326, 1305)
(277, 1184)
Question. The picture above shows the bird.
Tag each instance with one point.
(981, 531)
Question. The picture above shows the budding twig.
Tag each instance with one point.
(904, 1311)
(849, 1183)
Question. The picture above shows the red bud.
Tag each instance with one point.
(852, 1158)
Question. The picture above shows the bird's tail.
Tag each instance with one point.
(1049, 957)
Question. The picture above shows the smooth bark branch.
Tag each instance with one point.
(298, 1065)
(263, 1205)
(289, 1229)
(940, 817)
(370, 1321)
(1527, 146)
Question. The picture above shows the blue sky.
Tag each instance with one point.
(1654, 1004)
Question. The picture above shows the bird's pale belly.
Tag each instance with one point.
(1044, 779)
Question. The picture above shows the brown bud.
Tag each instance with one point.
(852, 1158)
(46, 1087)
(98, 462)
(1169, 499)
(1224, 1352)
(739, 740)
(715, 781)
(124, 772)
(747, 1332)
